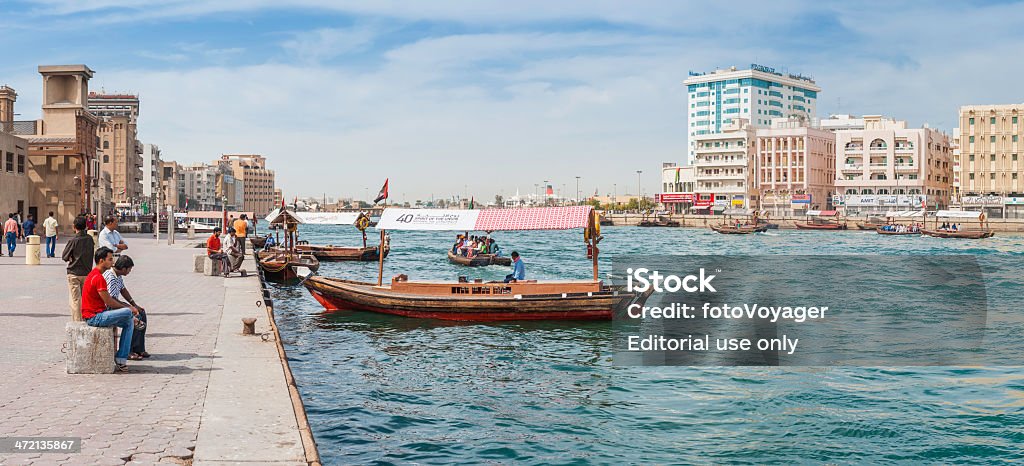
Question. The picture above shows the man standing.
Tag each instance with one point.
(115, 286)
(100, 310)
(241, 230)
(78, 253)
(11, 234)
(110, 238)
(518, 269)
(50, 229)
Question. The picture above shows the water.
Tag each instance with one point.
(384, 389)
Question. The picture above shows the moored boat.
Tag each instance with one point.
(962, 234)
(479, 260)
(281, 264)
(476, 300)
(882, 231)
(821, 220)
(330, 253)
(733, 229)
(951, 230)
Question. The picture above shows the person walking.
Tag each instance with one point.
(50, 230)
(99, 309)
(11, 234)
(28, 228)
(78, 253)
(241, 231)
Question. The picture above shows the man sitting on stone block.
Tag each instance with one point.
(213, 250)
(101, 310)
(115, 286)
(229, 247)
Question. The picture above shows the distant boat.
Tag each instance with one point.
(479, 260)
(821, 220)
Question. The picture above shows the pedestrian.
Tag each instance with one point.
(78, 253)
(110, 237)
(28, 228)
(50, 229)
(241, 231)
(229, 247)
(101, 310)
(115, 286)
(90, 222)
(11, 233)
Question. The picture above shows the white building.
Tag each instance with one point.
(150, 171)
(725, 167)
(678, 187)
(888, 166)
(757, 94)
(841, 123)
(199, 184)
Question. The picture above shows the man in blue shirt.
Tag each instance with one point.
(518, 269)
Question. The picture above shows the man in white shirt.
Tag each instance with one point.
(229, 248)
(50, 227)
(110, 237)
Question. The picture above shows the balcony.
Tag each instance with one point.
(878, 166)
(853, 166)
(854, 148)
(906, 167)
(720, 163)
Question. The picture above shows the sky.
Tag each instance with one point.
(476, 98)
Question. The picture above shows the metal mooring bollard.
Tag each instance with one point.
(248, 326)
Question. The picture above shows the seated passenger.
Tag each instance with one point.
(518, 269)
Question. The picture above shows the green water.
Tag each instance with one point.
(384, 389)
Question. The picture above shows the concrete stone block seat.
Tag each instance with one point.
(89, 350)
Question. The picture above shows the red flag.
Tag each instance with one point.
(550, 191)
(383, 194)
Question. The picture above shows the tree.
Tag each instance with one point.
(498, 200)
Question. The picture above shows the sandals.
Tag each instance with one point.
(135, 357)
(121, 367)
(144, 354)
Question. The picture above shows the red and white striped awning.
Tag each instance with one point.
(535, 218)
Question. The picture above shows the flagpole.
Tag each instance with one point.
(380, 248)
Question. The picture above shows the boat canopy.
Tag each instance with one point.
(904, 214)
(216, 214)
(736, 212)
(532, 218)
(958, 214)
(822, 213)
(279, 216)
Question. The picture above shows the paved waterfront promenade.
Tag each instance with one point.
(207, 395)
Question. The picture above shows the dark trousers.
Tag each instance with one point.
(139, 336)
(240, 241)
(509, 278)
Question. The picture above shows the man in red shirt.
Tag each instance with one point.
(100, 310)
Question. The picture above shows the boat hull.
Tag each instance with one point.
(479, 260)
(341, 253)
(880, 231)
(820, 226)
(337, 294)
(741, 230)
(868, 225)
(966, 234)
(281, 267)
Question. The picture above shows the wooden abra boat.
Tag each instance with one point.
(479, 260)
(732, 229)
(478, 300)
(660, 222)
(751, 224)
(960, 215)
(341, 253)
(280, 266)
(821, 220)
(880, 231)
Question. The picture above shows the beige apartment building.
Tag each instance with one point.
(887, 166)
(725, 168)
(990, 167)
(118, 136)
(60, 147)
(14, 182)
(795, 167)
(257, 180)
(169, 189)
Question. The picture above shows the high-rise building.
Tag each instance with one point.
(795, 167)
(151, 172)
(199, 183)
(757, 95)
(887, 166)
(257, 180)
(122, 152)
(990, 167)
(725, 167)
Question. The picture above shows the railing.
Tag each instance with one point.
(849, 148)
(853, 166)
(878, 165)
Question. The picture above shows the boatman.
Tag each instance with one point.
(518, 269)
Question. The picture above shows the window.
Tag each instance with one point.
(106, 144)
(992, 139)
(971, 120)
(1014, 157)
(971, 139)
(992, 120)
(972, 157)
(21, 163)
(1014, 138)
(10, 161)
(1014, 120)
(1015, 176)
(992, 158)
(106, 158)
(971, 176)
(992, 176)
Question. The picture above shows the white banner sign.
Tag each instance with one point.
(328, 218)
(428, 219)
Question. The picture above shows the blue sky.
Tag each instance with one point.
(485, 97)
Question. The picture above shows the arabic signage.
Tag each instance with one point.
(983, 200)
(674, 197)
(868, 200)
(801, 199)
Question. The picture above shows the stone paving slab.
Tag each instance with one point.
(148, 416)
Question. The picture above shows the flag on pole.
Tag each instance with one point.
(550, 191)
(471, 202)
(383, 194)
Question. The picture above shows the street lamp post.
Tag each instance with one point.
(577, 190)
(615, 194)
(639, 197)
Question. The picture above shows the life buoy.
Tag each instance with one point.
(363, 222)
